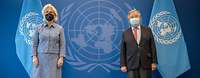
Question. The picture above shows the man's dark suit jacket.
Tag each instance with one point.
(134, 55)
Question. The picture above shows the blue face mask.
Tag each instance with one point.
(134, 21)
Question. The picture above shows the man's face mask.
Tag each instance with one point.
(134, 21)
(49, 17)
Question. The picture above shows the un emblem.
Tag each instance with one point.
(165, 27)
(93, 29)
(28, 24)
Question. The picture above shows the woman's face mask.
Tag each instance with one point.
(134, 21)
(49, 17)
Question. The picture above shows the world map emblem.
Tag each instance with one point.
(27, 25)
(165, 27)
(93, 33)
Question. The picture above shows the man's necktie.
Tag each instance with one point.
(135, 33)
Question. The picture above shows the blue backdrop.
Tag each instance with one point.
(10, 11)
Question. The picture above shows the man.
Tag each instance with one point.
(138, 51)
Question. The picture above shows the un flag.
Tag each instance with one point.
(30, 17)
(171, 48)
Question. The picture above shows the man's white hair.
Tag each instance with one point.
(54, 10)
(134, 10)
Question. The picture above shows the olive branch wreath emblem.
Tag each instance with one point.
(74, 60)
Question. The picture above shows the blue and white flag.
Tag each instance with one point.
(30, 17)
(171, 48)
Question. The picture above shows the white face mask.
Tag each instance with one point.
(134, 21)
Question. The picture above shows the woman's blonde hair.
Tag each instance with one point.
(53, 9)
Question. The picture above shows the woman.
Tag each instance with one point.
(48, 46)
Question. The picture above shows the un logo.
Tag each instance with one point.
(165, 27)
(93, 29)
(28, 24)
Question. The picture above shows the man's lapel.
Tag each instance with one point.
(142, 35)
(132, 37)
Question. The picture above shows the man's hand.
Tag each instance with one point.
(153, 66)
(124, 69)
(60, 62)
(35, 60)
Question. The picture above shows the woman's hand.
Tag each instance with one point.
(60, 62)
(35, 60)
